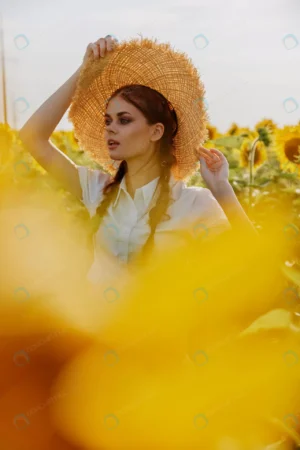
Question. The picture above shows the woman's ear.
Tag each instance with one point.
(158, 131)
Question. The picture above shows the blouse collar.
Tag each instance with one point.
(149, 188)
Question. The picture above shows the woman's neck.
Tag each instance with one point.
(141, 178)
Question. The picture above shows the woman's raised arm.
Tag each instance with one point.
(36, 132)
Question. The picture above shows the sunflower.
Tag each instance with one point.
(73, 140)
(287, 147)
(260, 155)
(266, 123)
(234, 130)
(65, 141)
(212, 132)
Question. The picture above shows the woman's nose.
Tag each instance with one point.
(110, 129)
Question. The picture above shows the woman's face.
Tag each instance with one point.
(130, 129)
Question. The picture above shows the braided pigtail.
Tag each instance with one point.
(158, 213)
(109, 193)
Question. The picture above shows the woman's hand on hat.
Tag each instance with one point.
(214, 167)
(99, 48)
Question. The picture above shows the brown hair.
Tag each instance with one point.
(155, 108)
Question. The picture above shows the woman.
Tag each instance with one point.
(145, 204)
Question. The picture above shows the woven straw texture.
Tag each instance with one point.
(149, 63)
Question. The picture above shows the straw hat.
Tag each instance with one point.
(146, 62)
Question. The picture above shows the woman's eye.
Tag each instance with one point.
(121, 120)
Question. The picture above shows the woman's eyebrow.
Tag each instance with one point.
(119, 114)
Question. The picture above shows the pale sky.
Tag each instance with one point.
(248, 56)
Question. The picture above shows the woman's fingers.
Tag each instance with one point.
(214, 166)
(102, 45)
(99, 48)
(105, 45)
(205, 156)
(204, 150)
(209, 153)
(110, 43)
(217, 152)
(96, 51)
(92, 49)
(208, 159)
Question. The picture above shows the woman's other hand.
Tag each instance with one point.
(214, 168)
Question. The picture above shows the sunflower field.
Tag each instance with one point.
(245, 315)
(263, 162)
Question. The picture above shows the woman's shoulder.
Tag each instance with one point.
(204, 204)
(189, 196)
(197, 190)
(197, 193)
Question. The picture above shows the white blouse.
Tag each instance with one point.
(194, 211)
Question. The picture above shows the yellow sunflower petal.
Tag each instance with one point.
(287, 147)
(260, 155)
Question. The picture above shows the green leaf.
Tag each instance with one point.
(264, 182)
(230, 141)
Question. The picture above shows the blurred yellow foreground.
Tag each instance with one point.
(199, 349)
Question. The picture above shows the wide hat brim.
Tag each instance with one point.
(146, 62)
